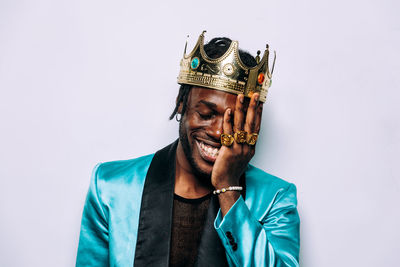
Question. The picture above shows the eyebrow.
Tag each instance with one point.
(208, 104)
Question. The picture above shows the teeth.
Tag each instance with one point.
(209, 150)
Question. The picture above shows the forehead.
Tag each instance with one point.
(222, 100)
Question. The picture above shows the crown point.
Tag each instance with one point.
(258, 56)
(184, 50)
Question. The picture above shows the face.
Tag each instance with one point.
(201, 127)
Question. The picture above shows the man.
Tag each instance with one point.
(197, 202)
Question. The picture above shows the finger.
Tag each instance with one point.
(227, 124)
(250, 123)
(258, 118)
(252, 149)
(239, 113)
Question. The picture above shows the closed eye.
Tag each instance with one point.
(205, 116)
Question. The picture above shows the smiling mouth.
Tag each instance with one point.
(207, 152)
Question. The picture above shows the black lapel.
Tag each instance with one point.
(155, 221)
(211, 251)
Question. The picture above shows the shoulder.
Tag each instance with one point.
(114, 169)
(263, 190)
(113, 176)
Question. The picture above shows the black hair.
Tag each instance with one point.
(214, 49)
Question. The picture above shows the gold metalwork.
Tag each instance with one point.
(258, 56)
(252, 139)
(227, 73)
(240, 137)
(226, 139)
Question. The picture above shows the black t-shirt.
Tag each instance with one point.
(187, 225)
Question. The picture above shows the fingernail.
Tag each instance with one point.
(229, 112)
(256, 97)
(241, 98)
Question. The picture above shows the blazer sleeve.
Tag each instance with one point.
(93, 240)
(273, 241)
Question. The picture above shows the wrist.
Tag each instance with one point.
(226, 183)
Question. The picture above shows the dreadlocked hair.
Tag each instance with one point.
(182, 98)
(215, 48)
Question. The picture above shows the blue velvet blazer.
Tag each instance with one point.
(127, 218)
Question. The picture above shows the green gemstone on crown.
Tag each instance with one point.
(195, 63)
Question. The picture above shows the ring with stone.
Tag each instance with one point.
(252, 139)
(226, 139)
(240, 137)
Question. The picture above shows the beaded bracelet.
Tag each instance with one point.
(231, 188)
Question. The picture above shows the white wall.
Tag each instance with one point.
(89, 81)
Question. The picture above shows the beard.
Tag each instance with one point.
(202, 176)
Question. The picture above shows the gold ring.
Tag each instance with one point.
(226, 139)
(240, 137)
(252, 139)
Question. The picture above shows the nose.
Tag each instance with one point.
(215, 128)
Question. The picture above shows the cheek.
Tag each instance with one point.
(189, 126)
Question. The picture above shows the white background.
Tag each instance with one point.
(88, 81)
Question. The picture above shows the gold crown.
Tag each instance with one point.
(227, 73)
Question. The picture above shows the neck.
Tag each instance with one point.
(186, 183)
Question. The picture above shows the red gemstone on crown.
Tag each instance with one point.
(260, 78)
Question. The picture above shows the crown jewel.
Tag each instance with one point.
(227, 73)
